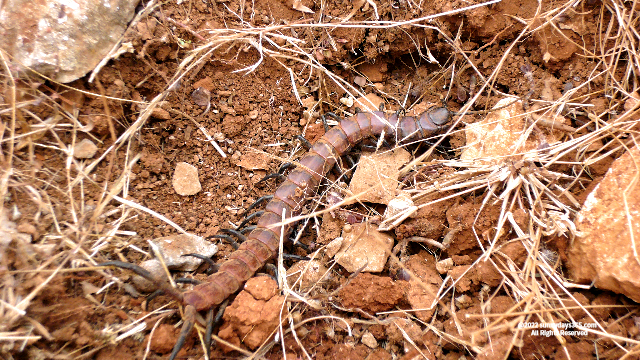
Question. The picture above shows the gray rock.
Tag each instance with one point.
(63, 40)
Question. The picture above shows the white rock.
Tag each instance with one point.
(505, 134)
(364, 247)
(185, 179)
(172, 249)
(85, 149)
(400, 203)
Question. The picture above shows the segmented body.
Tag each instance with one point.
(263, 242)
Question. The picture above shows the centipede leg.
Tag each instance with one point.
(248, 229)
(212, 265)
(228, 238)
(187, 326)
(249, 218)
(235, 233)
(164, 286)
(304, 142)
(258, 202)
(271, 176)
(325, 124)
(213, 323)
(285, 166)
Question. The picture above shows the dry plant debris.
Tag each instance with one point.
(485, 254)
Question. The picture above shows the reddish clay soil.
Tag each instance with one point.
(258, 110)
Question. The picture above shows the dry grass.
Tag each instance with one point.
(82, 233)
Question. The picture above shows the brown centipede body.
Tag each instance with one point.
(262, 243)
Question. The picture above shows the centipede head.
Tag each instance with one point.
(439, 116)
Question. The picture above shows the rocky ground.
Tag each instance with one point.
(524, 214)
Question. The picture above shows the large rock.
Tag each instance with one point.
(604, 253)
(63, 40)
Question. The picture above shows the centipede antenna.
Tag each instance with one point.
(215, 322)
(189, 321)
(206, 259)
(271, 176)
(325, 124)
(249, 218)
(248, 229)
(334, 116)
(228, 238)
(235, 233)
(285, 166)
(164, 286)
(258, 202)
(208, 333)
(188, 281)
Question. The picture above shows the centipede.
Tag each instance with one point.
(262, 243)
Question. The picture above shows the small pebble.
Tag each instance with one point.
(445, 265)
(185, 179)
(369, 340)
(85, 149)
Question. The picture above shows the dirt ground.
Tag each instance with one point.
(79, 224)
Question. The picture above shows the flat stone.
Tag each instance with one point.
(172, 248)
(364, 247)
(374, 72)
(602, 252)
(85, 149)
(63, 40)
(376, 177)
(185, 179)
(503, 134)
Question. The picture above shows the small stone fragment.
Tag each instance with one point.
(443, 266)
(369, 340)
(360, 81)
(375, 179)
(253, 160)
(305, 274)
(85, 149)
(347, 101)
(400, 203)
(374, 72)
(160, 114)
(154, 267)
(185, 179)
(201, 97)
(364, 248)
(333, 247)
(371, 102)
